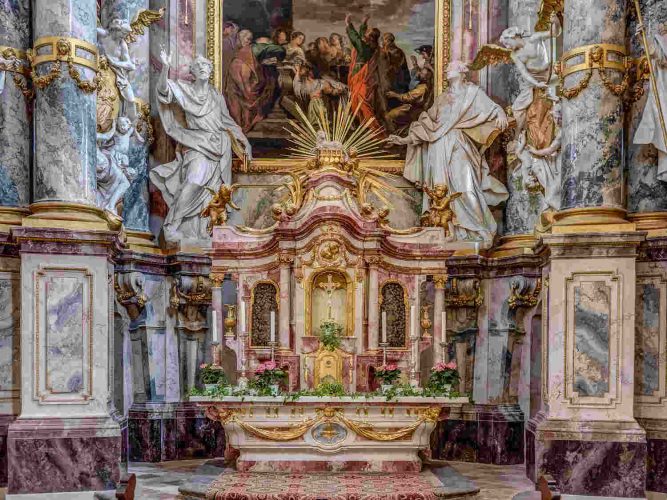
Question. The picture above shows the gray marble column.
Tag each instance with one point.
(645, 192)
(593, 141)
(65, 116)
(136, 202)
(15, 32)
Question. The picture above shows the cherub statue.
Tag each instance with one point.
(216, 210)
(113, 43)
(439, 215)
(531, 57)
(114, 173)
(114, 47)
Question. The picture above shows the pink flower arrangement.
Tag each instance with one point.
(388, 373)
(443, 377)
(268, 373)
(266, 366)
(441, 367)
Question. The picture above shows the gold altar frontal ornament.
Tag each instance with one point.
(324, 415)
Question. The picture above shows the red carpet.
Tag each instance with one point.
(331, 486)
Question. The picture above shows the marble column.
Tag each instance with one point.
(65, 116)
(15, 129)
(439, 334)
(593, 140)
(284, 306)
(373, 307)
(647, 196)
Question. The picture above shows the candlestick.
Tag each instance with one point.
(413, 321)
(214, 320)
(384, 327)
(273, 326)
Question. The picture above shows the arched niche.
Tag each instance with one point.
(264, 298)
(394, 302)
(342, 301)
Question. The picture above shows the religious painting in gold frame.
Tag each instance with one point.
(310, 17)
(313, 283)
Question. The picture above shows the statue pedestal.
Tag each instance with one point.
(340, 434)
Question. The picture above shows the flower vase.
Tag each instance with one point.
(447, 389)
(385, 388)
(210, 387)
(275, 389)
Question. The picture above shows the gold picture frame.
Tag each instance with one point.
(214, 25)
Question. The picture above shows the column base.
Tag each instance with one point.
(63, 455)
(656, 454)
(487, 434)
(588, 458)
(592, 220)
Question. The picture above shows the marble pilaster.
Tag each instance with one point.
(588, 350)
(439, 333)
(373, 307)
(284, 306)
(15, 127)
(593, 139)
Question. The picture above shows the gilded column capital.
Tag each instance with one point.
(217, 277)
(286, 258)
(440, 281)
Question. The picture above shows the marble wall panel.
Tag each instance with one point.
(9, 343)
(592, 309)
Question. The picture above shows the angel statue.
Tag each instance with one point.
(440, 214)
(216, 210)
(206, 137)
(446, 146)
(530, 56)
(113, 43)
(114, 173)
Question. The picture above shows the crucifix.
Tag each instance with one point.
(329, 287)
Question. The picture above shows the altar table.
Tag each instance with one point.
(334, 434)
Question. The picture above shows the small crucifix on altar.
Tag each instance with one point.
(330, 287)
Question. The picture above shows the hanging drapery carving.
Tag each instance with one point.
(264, 300)
(394, 303)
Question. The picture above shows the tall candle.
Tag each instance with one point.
(384, 327)
(413, 321)
(273, 326)
(242, 316)
(214, 320)
(443, 331)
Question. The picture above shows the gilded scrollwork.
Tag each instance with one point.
(16, 62)
(130, 293)
(522, 293)
(464, 293)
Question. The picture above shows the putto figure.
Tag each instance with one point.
(114, 173)
(440, 213)
(443, 149)
(204, 152)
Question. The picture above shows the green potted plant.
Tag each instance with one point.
(212, 376)
(268, 375)
(388, 375)
(443, 376)
(330, 335)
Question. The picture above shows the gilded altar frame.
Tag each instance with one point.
(442, 53)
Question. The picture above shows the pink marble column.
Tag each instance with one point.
(373, 306)
(438, 307)
(285, 306)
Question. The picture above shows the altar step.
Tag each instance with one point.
(441, 482)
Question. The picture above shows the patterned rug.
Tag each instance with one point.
(324, 486)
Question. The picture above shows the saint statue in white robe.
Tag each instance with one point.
(206, 139)
(650, 129)
(446, 145)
